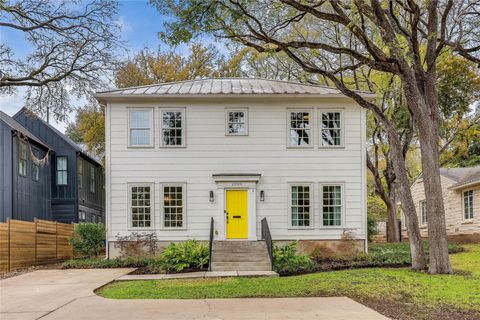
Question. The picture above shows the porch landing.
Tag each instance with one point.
(197, 275)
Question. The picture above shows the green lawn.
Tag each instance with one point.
(459, 291)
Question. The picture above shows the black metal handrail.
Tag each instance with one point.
(268, 239)
(210, 245)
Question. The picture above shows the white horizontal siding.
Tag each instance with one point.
(264, 150)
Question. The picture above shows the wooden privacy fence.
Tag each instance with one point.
(24, 243)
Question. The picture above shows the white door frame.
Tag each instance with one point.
(237, 182)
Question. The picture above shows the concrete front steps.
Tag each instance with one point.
(240, 256)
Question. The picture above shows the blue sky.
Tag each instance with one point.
(140, 24)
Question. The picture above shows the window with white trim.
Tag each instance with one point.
(22, 159)
(301, 205)
(331, 134)
(173, 205)
(468, 204)
(62, 171)
(140, 127)
(423, 212)
(332, 205)
(237, 122)
(141, 206)
(299, 127)
(172, 128)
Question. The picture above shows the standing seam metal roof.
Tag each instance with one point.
(225, 86)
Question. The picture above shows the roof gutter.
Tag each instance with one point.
(465, 185)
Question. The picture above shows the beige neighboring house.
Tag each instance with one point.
(461, 194)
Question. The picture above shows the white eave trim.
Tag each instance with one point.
(240, 177)
(466, 185)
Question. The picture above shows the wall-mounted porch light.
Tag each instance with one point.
(262, 195)
(211, 197)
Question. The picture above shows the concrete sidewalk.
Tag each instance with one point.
(68, 294)
(198, 275)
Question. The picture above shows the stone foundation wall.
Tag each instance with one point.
(303, 246)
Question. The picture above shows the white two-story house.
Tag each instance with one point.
(237, 150)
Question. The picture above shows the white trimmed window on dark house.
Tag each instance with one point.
(80, 173)
(92, 179)
(172, 127)
(62, 170)
(22, 159)
(35, 166)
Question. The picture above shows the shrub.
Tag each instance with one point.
(371, 227)
(137, 244)
(88, 239)
(287, 262)
(183, 256)
(91, 263)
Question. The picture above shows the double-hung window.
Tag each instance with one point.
(173, 205)
(331, 128)
(140, 126)
(62, 171)
(299, 128)
(237, 122)
(141, 205)
(423, 212)
(301, 209)
(332, 205)
(92, 179)
(172, 122)
(22, 159)
(35, 166)
(468, 204)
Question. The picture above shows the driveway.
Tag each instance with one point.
(68, 294)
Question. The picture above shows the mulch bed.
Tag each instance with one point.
(410, 311)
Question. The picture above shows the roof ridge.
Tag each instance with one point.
(222, 78)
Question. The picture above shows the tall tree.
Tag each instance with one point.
(73, 47)
(336, 38)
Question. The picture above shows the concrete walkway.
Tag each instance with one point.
(68, 294)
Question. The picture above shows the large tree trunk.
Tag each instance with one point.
(403, 186)
(437, 234)
(393, 232)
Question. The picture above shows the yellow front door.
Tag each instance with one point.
(237, 214)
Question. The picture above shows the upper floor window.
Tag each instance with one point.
(468, 204)
(300, 205)
(62, 171)
(173, 128)
(331, 128)
(423, 212)
(141, 206)
(332, 205)
(80, 173)
(22, 159)
(299, 123)
(237, 122)
(35, 166)
(174, 206)
(92, 179)
(140, 128)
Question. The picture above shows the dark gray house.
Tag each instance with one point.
(25, 188)
(76, 180)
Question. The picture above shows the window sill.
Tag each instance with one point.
(172, 147)
(140, 229)
(299, 147)
(331, 147)
(469, 221)
(140, 147)
(301, 228)
(173, 229)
